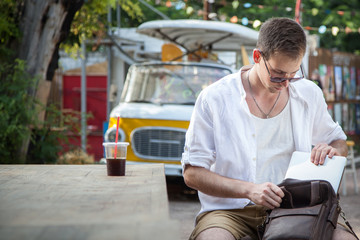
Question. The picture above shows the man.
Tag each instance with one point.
(244, 130)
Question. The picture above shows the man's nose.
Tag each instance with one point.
(285, 83)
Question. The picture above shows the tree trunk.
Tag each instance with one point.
(44, 25)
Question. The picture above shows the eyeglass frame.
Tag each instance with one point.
(280, 79)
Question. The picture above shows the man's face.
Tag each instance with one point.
(280, 68)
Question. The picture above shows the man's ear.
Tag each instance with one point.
(256, 55)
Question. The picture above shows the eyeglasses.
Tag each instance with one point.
(281, 79)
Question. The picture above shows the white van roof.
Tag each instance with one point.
(191, 34)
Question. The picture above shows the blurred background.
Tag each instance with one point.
(50, 49)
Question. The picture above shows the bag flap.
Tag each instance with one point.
(280, 212)
(305, 192)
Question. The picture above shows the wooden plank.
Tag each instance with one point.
(82, 202)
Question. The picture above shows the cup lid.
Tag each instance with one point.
(106, 144)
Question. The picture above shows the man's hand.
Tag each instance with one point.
(321, 150)
(266, 194)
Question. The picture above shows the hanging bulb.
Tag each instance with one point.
(247, 5)
(334, 30)
(314, 11)
(245, 21)
(348, 30)
(322, 29)
(234, 19)
(235, 4)
(256, 23)
(189, 10)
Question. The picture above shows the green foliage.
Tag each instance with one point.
(9, 31)
(19, 111)
(16, 108)
(44, 146)
(90, 22)
(52, 136)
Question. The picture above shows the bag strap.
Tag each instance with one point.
(342, 214)
(315, 193)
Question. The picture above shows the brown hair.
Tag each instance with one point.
(282, 35)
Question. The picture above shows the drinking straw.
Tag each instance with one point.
(117, 135)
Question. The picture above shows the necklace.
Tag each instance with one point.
(252, 95)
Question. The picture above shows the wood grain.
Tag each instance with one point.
(82, 202)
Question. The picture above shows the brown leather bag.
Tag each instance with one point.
(309, 210)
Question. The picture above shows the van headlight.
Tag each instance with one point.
(110, 135)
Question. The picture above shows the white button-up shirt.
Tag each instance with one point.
(221, 134)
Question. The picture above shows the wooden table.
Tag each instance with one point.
(82, 202)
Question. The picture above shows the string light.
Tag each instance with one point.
(322, 29)
(189, 10)
(334, 30)
(247, 5)
(234, 19)
(256, 23)
(245, 21)
(181, 4)
(235, 4)
(348, 30)
(314, 11)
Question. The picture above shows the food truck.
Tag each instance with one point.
(158, 96)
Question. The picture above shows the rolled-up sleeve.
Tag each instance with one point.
(199, 147)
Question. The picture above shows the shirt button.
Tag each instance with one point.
(254, 159)
(253, 135)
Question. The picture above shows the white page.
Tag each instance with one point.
(301, 168)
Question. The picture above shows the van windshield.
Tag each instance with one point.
(169, 84)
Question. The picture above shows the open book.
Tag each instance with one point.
(301, 168)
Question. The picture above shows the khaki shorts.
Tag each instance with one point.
(239, 222)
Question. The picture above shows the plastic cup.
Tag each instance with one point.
(115, 166)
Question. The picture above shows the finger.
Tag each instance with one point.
(314, 157)
(323, 155)
(333, 152)
(278, 191)
(313, 153)
(266, 204)
(267, 197)
(272, 196)
(263, 200)
(317, 156)
(273, 202)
